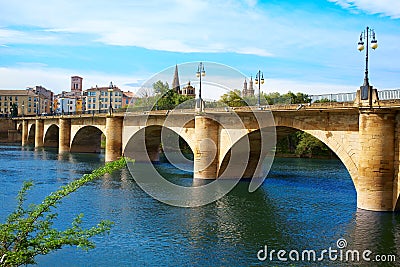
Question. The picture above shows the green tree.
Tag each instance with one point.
(251, 100)
(233, 99)
(275, 98)
(28, 231)
(324, 100)
(298, 98)
(288, 144)
(167, 99)
(310, 146)
(160, 87)
(302, 98)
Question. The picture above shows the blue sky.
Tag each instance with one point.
(308, 46)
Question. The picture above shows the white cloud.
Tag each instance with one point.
(11, 36)
(390, 8)
(302, 39)
(57, 80)
(181, 26)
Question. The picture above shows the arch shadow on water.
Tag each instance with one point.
(51, 136)
(31, 134)
(148, 146)
(87, 140)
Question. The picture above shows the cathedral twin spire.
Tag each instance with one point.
(250, 90)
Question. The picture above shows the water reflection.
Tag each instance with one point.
(378, 232)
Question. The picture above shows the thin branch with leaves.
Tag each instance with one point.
(28, 231)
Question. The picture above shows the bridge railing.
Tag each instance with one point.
(389, 94)
(341, 97)
(350, 97)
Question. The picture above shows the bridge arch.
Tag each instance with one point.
(145, 144)
(337, 141)
(257, 152)
(327, 137)
(87, 140)
(51, 136)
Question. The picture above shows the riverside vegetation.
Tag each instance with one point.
(28, 230)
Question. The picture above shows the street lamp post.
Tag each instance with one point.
(110, 90)
(200, 72)
(52, 106)
(99, 102)
(259, 80)
(366, 89)
(12, 110)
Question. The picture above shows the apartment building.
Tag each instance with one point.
(98, 99)
(32, 101)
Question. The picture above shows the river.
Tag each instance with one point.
(304, 204)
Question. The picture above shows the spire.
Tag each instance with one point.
(251, 89)
(245, 85)
(175, 82)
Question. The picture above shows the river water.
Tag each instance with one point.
(304, 204)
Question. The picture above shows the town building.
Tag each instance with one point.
(32, 101)
(97, 99)
(72, 101)
(92, 100)
(76, 86)
(127, 98)
(66, 105)
(188, 90)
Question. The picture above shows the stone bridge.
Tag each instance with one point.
(365, 139)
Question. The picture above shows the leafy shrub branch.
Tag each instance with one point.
(28, 231)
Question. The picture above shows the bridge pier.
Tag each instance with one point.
(206, 148)
(114, 127)
(25, 132)
(39, 131)
(376, 161)
(64, 135)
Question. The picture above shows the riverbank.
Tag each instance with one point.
(306, 156)
(8, 132)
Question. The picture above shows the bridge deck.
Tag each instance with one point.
(323, 107)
